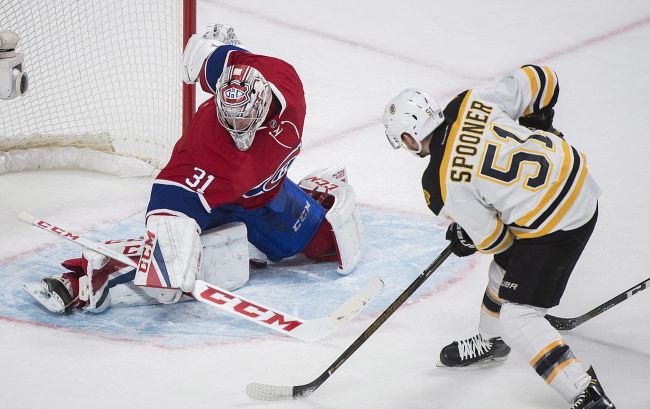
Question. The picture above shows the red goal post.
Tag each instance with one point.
(105, 89)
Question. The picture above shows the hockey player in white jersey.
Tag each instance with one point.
(520, 193)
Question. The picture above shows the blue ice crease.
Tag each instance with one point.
(397, 247)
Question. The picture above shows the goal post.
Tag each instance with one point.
(105, 84)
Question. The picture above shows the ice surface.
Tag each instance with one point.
(353, 56)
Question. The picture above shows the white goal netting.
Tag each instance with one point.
(104, 75)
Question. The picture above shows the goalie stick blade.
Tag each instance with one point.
(317, 329)
(304, 330)
(355, 304)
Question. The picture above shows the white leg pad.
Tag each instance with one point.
(343, 216)
(171, 256)
(526, 330)
(224, 262)
(347, 229)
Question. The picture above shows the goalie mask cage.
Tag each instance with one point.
(105, 90)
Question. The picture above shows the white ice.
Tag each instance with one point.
(353, 56)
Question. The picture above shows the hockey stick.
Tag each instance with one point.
(571, 323)
(262, 391)
(305, 330)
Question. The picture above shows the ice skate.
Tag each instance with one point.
(593, 397)
(474, 351)
(53, 293)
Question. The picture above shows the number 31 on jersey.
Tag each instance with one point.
(198, 179)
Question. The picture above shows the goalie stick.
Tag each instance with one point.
(267, 392)
(566, 324)
(305, 330)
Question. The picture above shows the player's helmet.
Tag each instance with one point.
(243, 100)
(413, 112)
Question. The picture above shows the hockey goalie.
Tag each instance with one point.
(224, 187)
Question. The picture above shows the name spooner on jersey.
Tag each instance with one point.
(472, 128)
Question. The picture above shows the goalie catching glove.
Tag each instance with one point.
(199, 47)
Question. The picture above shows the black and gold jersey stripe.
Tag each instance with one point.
(544, 86)
(557, 201)
(497, 241)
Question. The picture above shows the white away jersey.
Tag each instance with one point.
(500, 180)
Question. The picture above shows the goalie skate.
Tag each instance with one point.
(475, 351)
(53, 293)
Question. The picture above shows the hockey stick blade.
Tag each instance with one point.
(261, 391)
(565, 324)
(305, 330)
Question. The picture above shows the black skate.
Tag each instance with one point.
(53, 293)
(593, 397)
(474, 351)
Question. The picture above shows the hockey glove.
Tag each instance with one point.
(461, 244)
(542, 120)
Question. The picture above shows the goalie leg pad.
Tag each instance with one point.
(171, 256)
(224, 262)
(343, 214)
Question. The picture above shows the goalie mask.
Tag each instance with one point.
(413, 112)
(243, 99)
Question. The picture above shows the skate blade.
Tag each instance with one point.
(481, 364)
(35, 290)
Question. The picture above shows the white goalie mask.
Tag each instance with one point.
(243, 99)
(413, 112)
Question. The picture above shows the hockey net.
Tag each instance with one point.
(105, 90)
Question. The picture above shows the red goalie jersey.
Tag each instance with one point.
(205, 162)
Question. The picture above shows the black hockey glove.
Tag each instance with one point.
(542, 120)
(461, 244)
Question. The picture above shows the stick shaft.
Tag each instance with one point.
(307, 389)
(570, 323)
(68, 235)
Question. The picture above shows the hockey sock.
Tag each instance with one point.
(526, 331)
